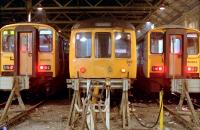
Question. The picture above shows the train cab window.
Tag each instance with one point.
(192, 44)
(8, 41)
(122, 45)
(26, 42)
(103, 45)
(46, 39)
(175, 45)
(157, 42)
(83, 45)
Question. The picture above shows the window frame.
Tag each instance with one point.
(95, 45)
(130, 45)
(76, 45)
(151, 43)
(51, 49)
(198, 41)
(2, 37)
(180, 51)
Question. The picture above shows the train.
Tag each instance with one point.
(36, 53)
(99, 49)
(166, 54)
(102, 63)
(102, 48)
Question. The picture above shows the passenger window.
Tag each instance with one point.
(103, 45)
(157, 42)
(175, 45)
(8, 41)
(192, 44)
(46, 41)
(122, 45)
(83, 45)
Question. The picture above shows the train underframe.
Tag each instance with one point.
(96, 98)
(152, 85)
(169, 85)
(35, 85)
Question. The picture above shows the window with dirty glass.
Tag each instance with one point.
(175, 44)
(122, 45)
(8, 41)
(103, 45)
(83, 45)
(192, 44)
(46, 40)
(156, 39)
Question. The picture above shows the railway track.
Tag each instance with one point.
(178, 117)
(181, 119)
(14, 119)
(2, 104)
(187, 124)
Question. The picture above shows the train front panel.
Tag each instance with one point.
(102, 53)
(7, 49)
(172, 53)
(34, 52)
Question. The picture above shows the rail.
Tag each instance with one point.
(187, 124)
(20, 115)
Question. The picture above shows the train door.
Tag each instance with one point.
(175, 56)
(25, 51)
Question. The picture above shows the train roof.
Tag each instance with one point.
(173, 26)
(26, 23)
(103, 23)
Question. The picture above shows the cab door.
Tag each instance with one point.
(176, 54)
(25, 52)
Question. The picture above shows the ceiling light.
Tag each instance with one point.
(162, 8)
(39, 8)
(148, 22)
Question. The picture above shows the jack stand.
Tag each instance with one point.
(87, 107)
(124, 107)
(185, 94)
(14, 92)
(75, 101)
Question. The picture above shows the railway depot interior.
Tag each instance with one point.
(100, 64)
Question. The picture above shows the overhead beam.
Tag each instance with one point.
(148, 2)
(85, 8)
(10, 2)
(73, 21)
(133, 12)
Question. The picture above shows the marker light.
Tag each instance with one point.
(45, 67)
(82, 69)
(157, 68)
(8, 67)
(191, 69)
(41, 67)
(123, 70)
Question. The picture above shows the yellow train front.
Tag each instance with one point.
(166, 53)
(35, 52)
(102, 49)
(102, 58)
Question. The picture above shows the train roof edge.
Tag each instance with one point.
(26, 23)
(173, 26)
(103, 23)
